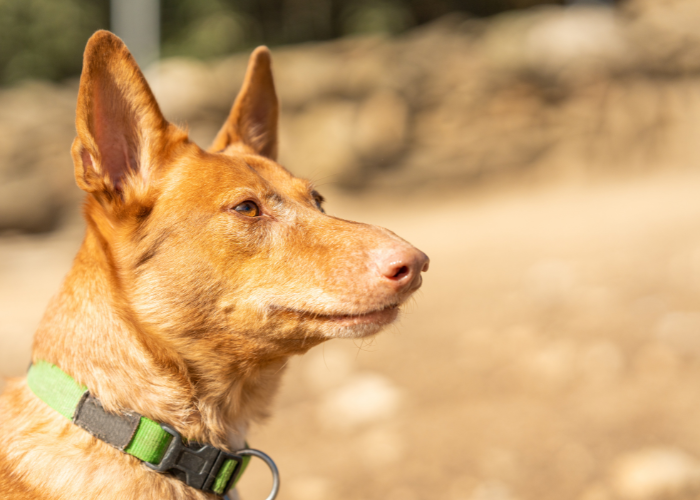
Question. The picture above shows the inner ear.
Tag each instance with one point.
(121, 129)
(115, 128)
(252, 122)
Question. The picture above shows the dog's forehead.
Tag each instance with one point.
(271, 177)
(279, 178)
(254, 173)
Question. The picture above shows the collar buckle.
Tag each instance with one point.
(195, 464)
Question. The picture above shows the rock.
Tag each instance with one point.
(327, 366)
(664, 35)
(491, 490)
(381, 127)
(365, 399)
(601, 362)
(402, 492)
(27, 204)
(332, 139)
(681, 331)
(553, 364)
(350, 68)
(498, 462)
(596, 492)
(651, 473)
(461, 487)
(317, 144)
(37, 183)
(309, 488)
(386, 445)
(551, 282)
(535, 94)
(184, 87)
(574, 43)
(657, 364)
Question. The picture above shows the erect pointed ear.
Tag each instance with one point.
(253, 118)
(121, 130)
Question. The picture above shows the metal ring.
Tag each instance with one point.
(270, 463)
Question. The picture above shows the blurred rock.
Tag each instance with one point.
(327, 366)
(601, 362)
(535, 95)
(596, 492)
(657, 364)
(556, 43)
(498, 462)
(653, 473)
(184, 87)
(364, 399)
(318, 142)
(308, 488)
(402, 493)
(681, 330)
(491, 490)
(551, 282)
(380, 130)
(461, 487)
(36, 170)
(553, 364)
(386, 445)
(684, 267)
(28, 203)
(665, 35)
(575, 462)
(649, 307)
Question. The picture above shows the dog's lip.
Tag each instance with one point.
(379, 317)
(382, 316)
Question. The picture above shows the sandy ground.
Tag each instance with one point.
(551, 354)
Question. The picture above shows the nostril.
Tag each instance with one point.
(401, 273)
(402, 267)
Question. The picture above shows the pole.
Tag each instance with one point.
(137, 22)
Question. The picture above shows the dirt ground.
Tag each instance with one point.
(551, 354)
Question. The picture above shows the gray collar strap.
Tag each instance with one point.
(159, 446)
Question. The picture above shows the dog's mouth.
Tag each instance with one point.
(376, 318)
(382, 316)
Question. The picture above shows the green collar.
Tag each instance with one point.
(158, 445)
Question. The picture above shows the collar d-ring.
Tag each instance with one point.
(270, 463)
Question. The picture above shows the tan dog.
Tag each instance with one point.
(201, 272)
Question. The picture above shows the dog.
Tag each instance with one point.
(200, 274)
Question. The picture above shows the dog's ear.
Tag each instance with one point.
(121, 130)
(253, 118)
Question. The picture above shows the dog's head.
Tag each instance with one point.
(223, 249)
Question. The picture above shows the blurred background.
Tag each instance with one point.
(543, 154)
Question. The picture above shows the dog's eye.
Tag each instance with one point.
(318, 204)
(319, 201)
(248, 208)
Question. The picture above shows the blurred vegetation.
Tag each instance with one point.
(45, 38)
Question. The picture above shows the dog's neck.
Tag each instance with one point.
(92, 334)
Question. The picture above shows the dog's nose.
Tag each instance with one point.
(403, 268)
